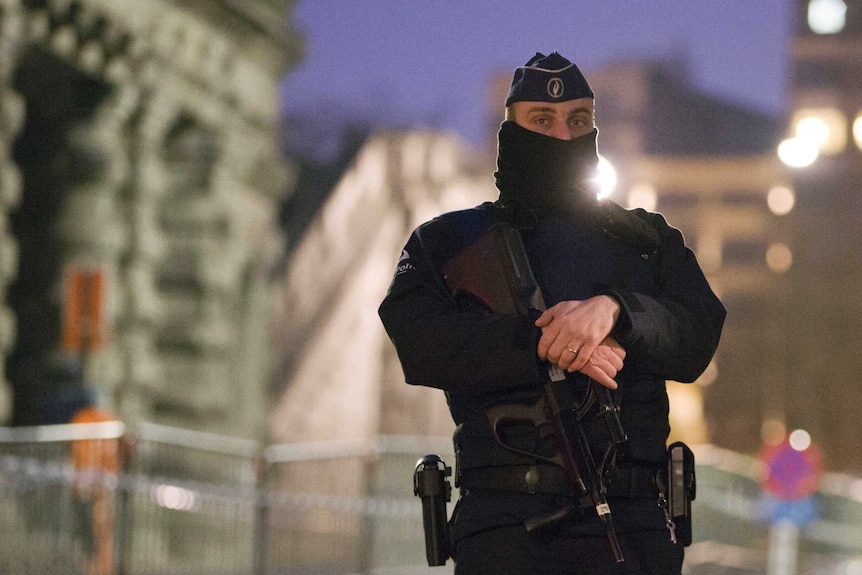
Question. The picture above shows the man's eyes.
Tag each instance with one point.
(546, 122)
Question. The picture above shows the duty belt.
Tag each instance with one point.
(628, 482)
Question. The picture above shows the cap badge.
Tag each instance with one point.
(555, 88)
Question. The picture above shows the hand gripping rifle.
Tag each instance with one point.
(497, 272)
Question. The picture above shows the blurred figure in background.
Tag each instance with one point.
(96, 463)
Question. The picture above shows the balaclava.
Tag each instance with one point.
(538, 171)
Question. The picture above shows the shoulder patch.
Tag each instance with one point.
(404, 264)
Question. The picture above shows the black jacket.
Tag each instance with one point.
(670, 320)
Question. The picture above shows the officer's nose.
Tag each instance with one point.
(561, 131)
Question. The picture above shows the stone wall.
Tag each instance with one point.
(339, 376)
(155, 127)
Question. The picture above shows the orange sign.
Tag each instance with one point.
(83, 314)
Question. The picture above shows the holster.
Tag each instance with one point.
(678, 484)
(431, 486)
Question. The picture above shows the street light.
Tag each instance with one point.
(799, 439)
(780, 200)
(827, 127)
(798, 152)
(827, 16)
(816, 131)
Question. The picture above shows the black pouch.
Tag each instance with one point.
(679, 489)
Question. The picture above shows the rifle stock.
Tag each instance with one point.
(496, 271)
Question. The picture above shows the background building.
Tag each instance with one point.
(141, 180)
(708, 166)
(339, 377)
(824, 304)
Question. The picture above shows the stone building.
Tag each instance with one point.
(338, 376)
(140, 179)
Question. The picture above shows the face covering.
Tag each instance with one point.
(545, 174)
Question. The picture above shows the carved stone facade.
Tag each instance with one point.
(139, 139)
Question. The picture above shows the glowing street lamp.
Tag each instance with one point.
(826, 127)
(827, 16)
(813, 129)
(798, 152)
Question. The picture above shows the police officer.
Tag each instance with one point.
(624, 313)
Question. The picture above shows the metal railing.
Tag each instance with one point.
(184, 502)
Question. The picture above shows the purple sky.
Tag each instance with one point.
(428, 62)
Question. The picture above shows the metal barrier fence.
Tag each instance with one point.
(183, 502)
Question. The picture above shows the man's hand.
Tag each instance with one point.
(576, 337)
(605, 362)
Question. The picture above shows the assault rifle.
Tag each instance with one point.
(497, 272)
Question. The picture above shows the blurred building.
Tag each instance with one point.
(778, 240)
(140, 179)
(339, 377)
(709, 166)
(821, 355)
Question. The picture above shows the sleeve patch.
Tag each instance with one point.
(404, 264)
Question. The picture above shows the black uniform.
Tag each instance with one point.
(669, 325)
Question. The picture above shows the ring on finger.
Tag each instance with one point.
(573, 350)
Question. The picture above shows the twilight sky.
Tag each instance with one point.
(428, 62)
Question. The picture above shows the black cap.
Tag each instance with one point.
(550, 78)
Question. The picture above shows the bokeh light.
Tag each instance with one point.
(772, 431)
(800, 440)
(824, 127)
(797, 152)
(780, 200)
(779, 258)
(827, 16)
